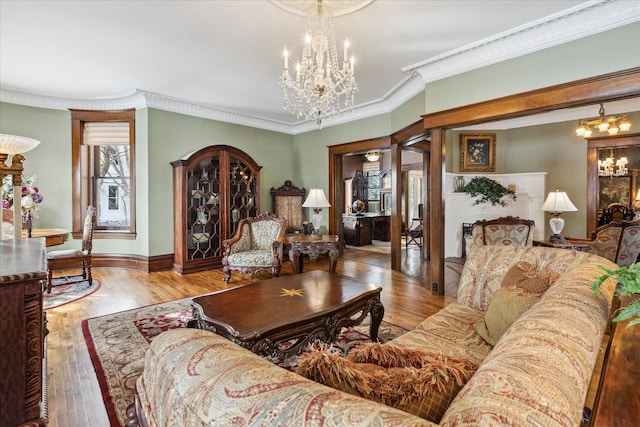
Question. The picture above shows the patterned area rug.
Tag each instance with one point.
(63, 293)
(117, 344)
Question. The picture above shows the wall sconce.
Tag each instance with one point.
(316, 200)
(12, 145)
(373, 156)
(556, 203)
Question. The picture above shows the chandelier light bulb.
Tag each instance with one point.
(625, 125)
(603, 126)
(613, 130)
(580, 130)
(588, 133)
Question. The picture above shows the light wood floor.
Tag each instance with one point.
(74, 394)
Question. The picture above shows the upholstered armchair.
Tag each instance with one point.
(508, 230)
(616, 241)
(256, 246)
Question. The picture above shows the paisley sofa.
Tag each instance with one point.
(538, 372)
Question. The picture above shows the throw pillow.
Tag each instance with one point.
(421, 383)
(525, 279)
(505, 307)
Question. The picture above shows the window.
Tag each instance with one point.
(103, 147)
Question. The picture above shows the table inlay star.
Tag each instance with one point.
(291, 292)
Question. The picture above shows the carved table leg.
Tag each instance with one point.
(377, 313)
(296, 260)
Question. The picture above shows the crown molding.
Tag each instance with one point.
(572, 24)
(581, 21)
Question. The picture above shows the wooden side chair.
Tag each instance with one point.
(286, 202)
(70, 257)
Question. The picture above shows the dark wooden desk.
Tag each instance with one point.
(53, 236)
(301, 244)
(561, 245)
(303, 307)
(617, 401)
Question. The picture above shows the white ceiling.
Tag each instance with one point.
(225, 56)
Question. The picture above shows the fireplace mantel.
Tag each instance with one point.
(459, 207)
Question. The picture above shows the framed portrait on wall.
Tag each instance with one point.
(478, 152)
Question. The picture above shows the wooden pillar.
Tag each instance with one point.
(336, 197)
(436, 209)
(396, 206)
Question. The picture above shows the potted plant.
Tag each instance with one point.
(628, 284)
(487, 190)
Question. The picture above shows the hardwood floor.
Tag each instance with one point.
(74, 395)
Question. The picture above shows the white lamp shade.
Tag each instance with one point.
(558, 201)
(13, 144)
(316, 199)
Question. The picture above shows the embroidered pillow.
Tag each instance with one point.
(521, 288)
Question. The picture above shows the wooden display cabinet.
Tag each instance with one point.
(214, 188)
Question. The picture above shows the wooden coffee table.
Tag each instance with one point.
(304, 307)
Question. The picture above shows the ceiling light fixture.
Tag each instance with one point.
(373, 156)
(612, 124)
(607, 166)
(320, 82)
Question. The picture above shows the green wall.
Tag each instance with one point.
(162, 137)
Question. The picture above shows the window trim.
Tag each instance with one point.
(80, 177)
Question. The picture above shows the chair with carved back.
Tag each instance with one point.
(508, 230)
(69, 258)
(256, 247)
(616, 212)
(617, 241)
(286, 202)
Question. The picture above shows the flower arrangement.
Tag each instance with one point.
(629, 284)
(31, 196)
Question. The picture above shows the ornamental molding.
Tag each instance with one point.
(578, 22)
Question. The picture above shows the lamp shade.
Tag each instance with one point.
(558, 201)
(12, 144)
(316, 199)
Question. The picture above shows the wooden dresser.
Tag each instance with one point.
(22, 328)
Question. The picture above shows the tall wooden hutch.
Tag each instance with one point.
(213, 189)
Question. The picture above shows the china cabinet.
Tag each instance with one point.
(213, 189)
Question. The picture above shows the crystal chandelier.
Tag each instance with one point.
(320, 82)
(607, 167)
(612, 124)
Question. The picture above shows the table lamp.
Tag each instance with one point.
(15, 145)
(556, 203)
(317, 201)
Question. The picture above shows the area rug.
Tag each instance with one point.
(118, 342)
(64, 293)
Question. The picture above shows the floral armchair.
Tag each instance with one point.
(508, 230)
(256, 246)
(617, 241)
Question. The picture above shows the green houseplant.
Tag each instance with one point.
(628, 284)
(487, 190)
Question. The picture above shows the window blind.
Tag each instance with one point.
(106, 133)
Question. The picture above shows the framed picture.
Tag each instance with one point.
(616, 189)
(478, 152)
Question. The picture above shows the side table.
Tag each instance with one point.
(301, 244)
(561, 245)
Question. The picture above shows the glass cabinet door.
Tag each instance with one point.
(203, 209)
(242, 193)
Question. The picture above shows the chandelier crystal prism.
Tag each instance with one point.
(320, 85)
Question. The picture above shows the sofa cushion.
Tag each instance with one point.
(421, 383)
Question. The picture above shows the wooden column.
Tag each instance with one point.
(436, 209)
(396, 206)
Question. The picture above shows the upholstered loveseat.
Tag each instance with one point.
(538, 372)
